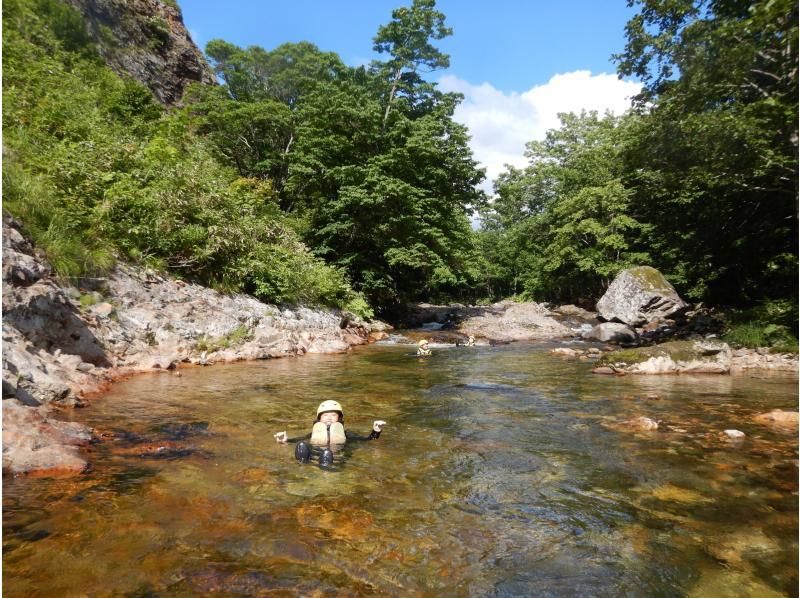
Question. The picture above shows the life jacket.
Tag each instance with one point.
(322, 435)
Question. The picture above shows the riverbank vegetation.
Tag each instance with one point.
(301, 179)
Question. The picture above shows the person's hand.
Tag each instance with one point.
(281, 437)
(378, 424)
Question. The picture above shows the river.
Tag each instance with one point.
(502, 471)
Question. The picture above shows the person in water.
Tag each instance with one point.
(328, 431)
(470, 341)
(423, 349)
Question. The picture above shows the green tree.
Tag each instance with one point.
(392, 208)
(567, 216)
(407, 38)
(714, 164)
(283, 74)
(96, 170)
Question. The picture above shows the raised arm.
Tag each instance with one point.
(377, 428)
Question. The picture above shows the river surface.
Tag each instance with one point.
(502, 471)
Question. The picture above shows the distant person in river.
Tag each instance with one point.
(328, 431)
(423, 349)
(470, 341)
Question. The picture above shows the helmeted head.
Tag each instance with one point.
(471, 338)
(423, 342)
(329, 405)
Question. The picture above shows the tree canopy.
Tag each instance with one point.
(378, 177)
(699, 179)
(300, 178)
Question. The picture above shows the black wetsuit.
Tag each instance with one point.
(349, 435)
(304, 451)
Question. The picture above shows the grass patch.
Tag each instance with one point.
(771, 324)
(756, 334)
(237, 336)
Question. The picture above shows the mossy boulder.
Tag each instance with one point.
(675, 357)
(640, 295)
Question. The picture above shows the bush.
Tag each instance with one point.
(94, 168)
(771, 324)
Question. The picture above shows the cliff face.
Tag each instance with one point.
(147, 40)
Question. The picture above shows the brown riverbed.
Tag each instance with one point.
(502, 471)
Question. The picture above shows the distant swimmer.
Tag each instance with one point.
(423, 350)
(470, 341)
(328, 432)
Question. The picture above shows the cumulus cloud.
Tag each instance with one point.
(501, 124)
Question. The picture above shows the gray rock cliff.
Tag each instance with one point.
(146, 40)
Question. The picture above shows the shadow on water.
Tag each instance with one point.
(502, 471)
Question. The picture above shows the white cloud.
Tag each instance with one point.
(501, 124)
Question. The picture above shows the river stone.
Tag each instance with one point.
(777, 418)
(611, 332)
(638, 296)
(742, 545)
(726, 582)
(36, 443)
(674, 357)
(643, 423)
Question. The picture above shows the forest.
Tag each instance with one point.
(300, 179)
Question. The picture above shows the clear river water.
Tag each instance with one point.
(502, 471)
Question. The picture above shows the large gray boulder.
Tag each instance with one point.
(638, 296)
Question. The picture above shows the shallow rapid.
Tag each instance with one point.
(502, 471)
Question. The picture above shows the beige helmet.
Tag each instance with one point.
(330, 406)
(423, 342)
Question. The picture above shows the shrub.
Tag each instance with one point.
(768, 324)
(94, 169)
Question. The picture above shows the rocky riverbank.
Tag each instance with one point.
(64, 341)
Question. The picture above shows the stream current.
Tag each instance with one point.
(502, 471)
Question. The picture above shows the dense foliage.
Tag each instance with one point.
(368, 162)
(96, 170)
(302, 179)
(699, 180)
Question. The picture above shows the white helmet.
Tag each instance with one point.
(330, 406)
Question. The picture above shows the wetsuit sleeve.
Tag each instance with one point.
(372, 436)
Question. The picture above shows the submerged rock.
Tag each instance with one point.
(742, 545)
(777, 418)
(643, 423)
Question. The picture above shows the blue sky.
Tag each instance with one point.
(518, 62)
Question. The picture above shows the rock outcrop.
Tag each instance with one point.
(35, 442)
(638, 296)
(146, 40)
(63, 342)
(501, 322)
(508, 321)
(674, 357)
